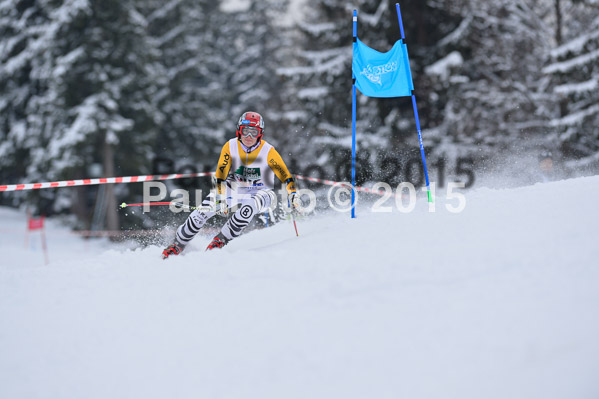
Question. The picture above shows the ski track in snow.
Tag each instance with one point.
(499, 301)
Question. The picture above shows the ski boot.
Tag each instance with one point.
(174, 249)
(217, 242)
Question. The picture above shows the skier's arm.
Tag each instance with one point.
(278, 166)
(222, 168)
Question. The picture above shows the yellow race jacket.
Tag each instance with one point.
(253, 170)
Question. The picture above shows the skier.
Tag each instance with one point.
(245, 177)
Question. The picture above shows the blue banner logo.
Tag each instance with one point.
(382, 74)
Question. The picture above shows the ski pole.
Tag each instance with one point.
(175, 204)
(293, 217)
(294, 225)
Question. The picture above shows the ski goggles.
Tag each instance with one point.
(250, 131)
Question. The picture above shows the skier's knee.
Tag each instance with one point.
(264, 199)
(200, 217)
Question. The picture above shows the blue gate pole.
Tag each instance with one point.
(353, 126)
(428, 189)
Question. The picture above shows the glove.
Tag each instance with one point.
(295, 202)
(221, 207)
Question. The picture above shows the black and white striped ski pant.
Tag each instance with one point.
(258, 202)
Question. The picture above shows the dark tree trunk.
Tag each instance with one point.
(558, 22)
(111, 221)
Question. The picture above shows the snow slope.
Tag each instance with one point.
(499, 301)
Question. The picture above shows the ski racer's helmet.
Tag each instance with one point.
(252, 119)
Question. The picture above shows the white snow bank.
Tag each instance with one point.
(498, 301)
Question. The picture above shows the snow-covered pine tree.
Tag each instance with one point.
(22, 44)
(192, 105)
(220, 62)
(488, 78)
(573, 70)
(93, 81)
(253, 42)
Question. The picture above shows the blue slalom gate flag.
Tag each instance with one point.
(382, 74)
